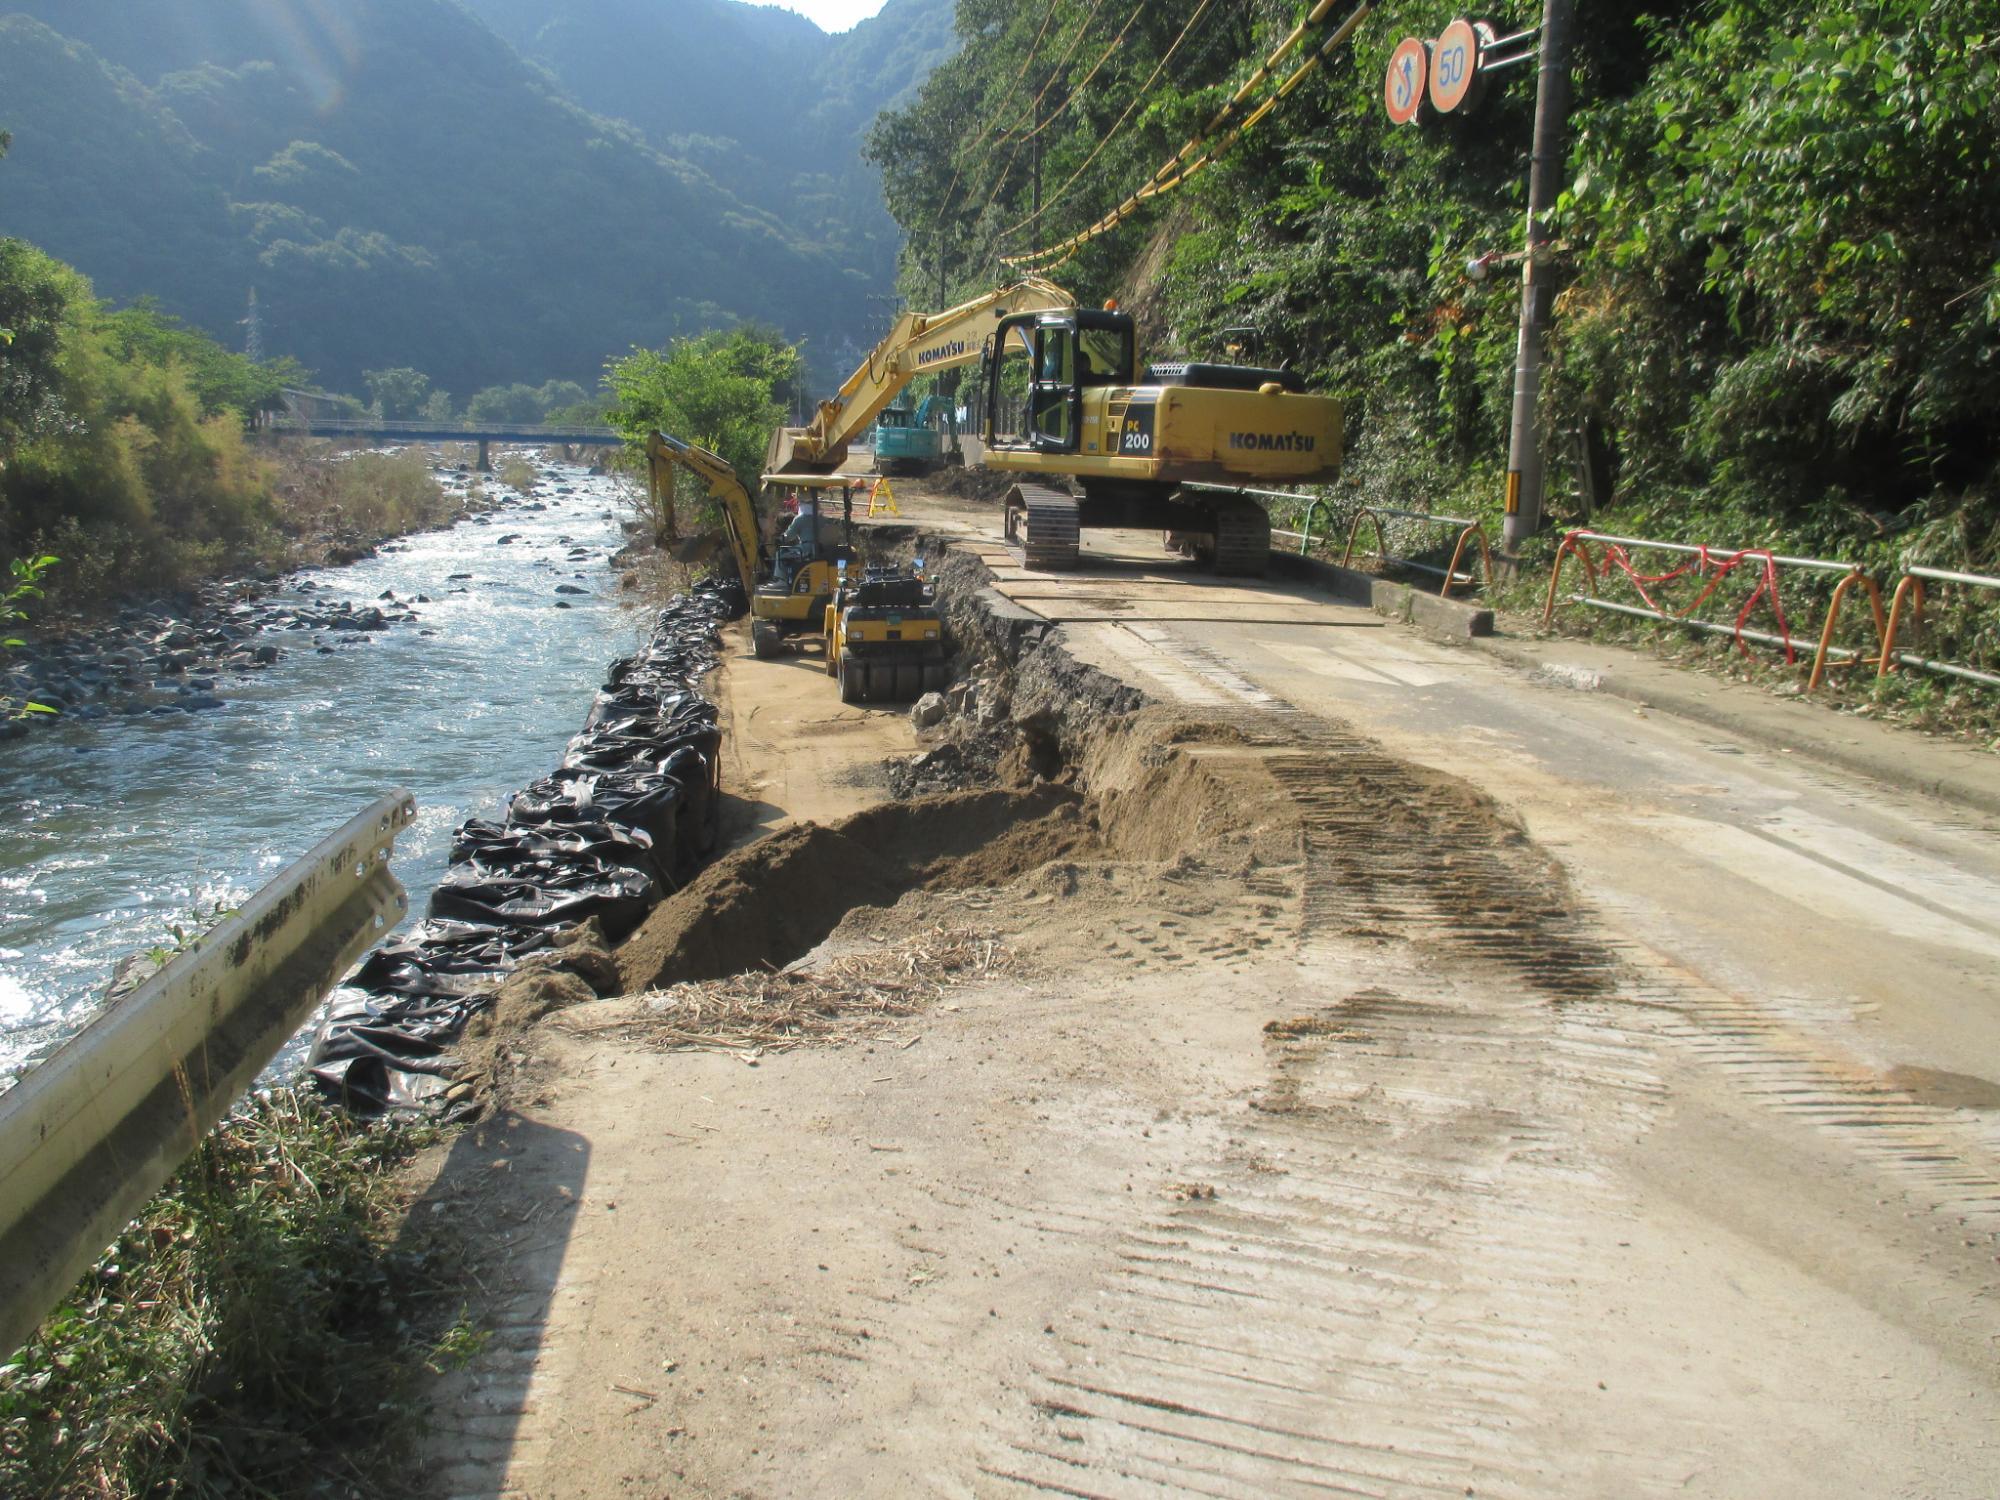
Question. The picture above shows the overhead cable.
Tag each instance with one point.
(1205, 147)
(1118, 124)
(1053, 77)
(979, 140)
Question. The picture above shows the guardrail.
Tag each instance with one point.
(1713, 566)
(1470, 532)
(90, 1134)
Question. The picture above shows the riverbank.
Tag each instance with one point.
(267, 1317)
(170, 653)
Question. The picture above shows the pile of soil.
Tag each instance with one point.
(971, 483)
(777, 899)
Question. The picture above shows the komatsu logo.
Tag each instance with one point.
(1274, 442)
(954, 350)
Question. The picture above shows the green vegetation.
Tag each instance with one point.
(258, 1330)
(403, 189)
(27, 574)
(1780, 290)
(725, 391)
(122, 450)
(552, 401)
(119, 450)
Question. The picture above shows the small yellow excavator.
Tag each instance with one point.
(789, 584)
(1062, 395)
(883, 635)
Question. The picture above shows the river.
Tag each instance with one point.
(113, 831)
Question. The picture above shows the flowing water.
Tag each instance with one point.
(112, 831)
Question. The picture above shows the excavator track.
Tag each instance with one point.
(1042, 528)
(1242, 539)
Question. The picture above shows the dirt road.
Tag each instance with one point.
(1381, 1074)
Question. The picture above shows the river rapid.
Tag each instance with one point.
(115, 830)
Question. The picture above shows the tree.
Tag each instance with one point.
(399, 393)
(37, 297)
(437, 407)
(222, 380)
(725, 390)
(505, 403)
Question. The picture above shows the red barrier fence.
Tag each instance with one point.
(1604, 556)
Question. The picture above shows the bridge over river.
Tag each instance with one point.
(367, 429)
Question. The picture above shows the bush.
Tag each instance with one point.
(252, 1332)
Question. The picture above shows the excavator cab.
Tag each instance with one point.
(1066, 355)
(806, 563)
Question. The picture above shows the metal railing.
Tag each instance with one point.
(1712, 566)
(87, 1136)
(1470, 532)
(1909, 599)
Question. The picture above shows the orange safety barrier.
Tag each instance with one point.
(1821, 662)
(1470, 531)
(1706, 564)
(1909, 598)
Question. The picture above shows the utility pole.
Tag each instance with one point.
(1525, 468)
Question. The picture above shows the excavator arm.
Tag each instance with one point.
(739, 514)
(918, 344)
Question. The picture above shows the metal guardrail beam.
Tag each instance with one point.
(93, 1132)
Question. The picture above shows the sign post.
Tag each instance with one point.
(1525, 470)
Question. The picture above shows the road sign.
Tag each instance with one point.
(1454, 65)
(1403, 88)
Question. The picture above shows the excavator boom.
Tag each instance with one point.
(918, 344)
(739, 515)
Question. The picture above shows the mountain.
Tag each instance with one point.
(403, 187)
(757, 96)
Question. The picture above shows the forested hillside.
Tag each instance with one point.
(1779, 251)
(756, 96)
(403, 189)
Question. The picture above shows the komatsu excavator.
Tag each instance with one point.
(1062, 395)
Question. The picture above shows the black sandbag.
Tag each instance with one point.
(631, 810)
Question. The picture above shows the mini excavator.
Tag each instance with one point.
(1063, 396)
(883, 635)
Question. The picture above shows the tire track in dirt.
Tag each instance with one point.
(1323, 1319)
(1316, 1329)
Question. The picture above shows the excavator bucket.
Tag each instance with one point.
(782, 457)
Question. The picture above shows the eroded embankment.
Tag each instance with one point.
(1128, 816)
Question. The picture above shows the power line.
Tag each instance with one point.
(1035, 109)
(1179, 167)
(1119, 124)
(1026, 63)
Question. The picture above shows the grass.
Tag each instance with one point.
(518, 474)
(258, 1331)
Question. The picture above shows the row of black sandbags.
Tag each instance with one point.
(631, 812)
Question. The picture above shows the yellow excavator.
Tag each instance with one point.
(881, 629)
(788, 584)
(1062, 394)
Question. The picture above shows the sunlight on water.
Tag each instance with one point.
(112, 831)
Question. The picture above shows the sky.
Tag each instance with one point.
(833, 15)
